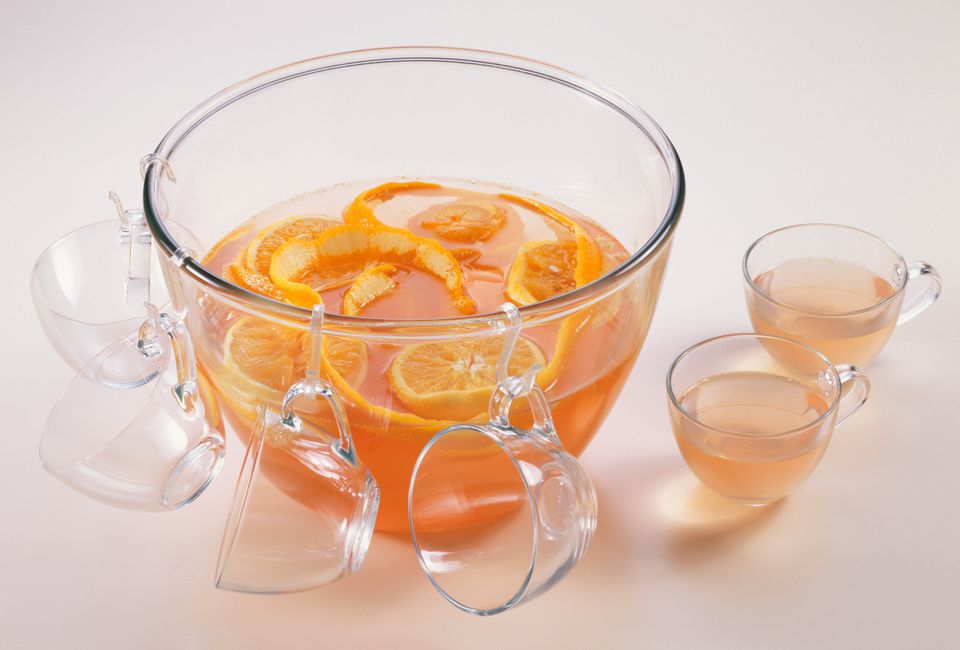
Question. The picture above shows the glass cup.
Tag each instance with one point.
(498, 513)
(155, 443)
(305, 506)
(840, 289)
(89, 288)
(750, 427)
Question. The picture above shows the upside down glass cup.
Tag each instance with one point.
(89, 289)
(305, 505)
(281, 541)
(839, 289)
(499, 514)
(750, 428)
(154, 443)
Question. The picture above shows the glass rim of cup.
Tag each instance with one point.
(49, 251)
(830, 368)
(901, 285)
(489, 433)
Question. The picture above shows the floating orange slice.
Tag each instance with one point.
(324, 279)
(361, 210)
(263, 359)
(542, 269)
(375, 282)
(464, 221)
(589, 262)
(261, 249)
(295, 260)
(454, 379)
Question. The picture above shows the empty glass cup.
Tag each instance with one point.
(305, 506)
(499, 513)
(750, 427)
(154, 444)
(840, 289)
(89, 288)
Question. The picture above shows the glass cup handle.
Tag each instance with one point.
(542, 419)
(148, 341)
(855, 389)
(512, 387)
(927, 296)
(523, 386)
(313, 387)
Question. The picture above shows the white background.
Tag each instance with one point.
(782, 112)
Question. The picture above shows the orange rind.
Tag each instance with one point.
(295, 260)
(375, 282)
(253, 281)
(360, 211)
(543, 269)
(589, 263)
(257, 255)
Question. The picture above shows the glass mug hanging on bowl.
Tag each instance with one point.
(89, 289)
(531, 507)
(275, 543)
(155, 444)
(520, 510)
(138, 427)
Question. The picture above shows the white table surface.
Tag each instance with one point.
(836, 111)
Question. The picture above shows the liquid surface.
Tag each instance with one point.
(420, 294)
(822, 302)
(755, 464)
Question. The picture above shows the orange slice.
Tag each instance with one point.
(261, 249)
(263, 359)
(464, 221)
(375, 282)
(542, 269)
(361, 210)
(454, 379)
(324, 279)
(269, 355)
(589, 258)
(295, 260)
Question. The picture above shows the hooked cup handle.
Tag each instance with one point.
(311, 388)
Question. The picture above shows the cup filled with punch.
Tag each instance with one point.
(840, 289)
(750, 427)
